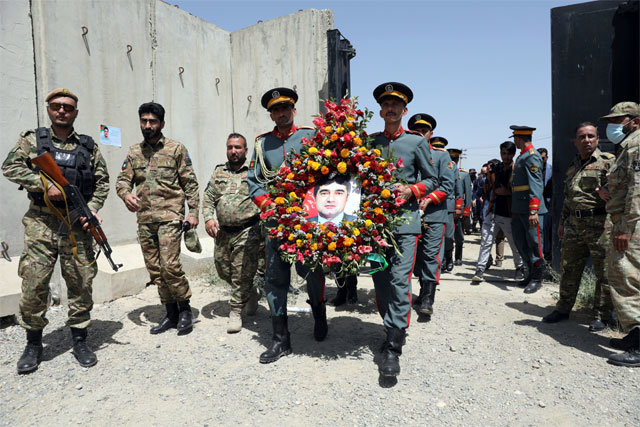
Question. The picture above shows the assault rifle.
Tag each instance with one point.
(51, 170)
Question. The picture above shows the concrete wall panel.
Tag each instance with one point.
(17, 111)
(287, 51)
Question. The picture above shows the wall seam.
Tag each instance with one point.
(35, 67)
(233, 109)
(154, 45)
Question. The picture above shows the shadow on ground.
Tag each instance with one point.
(149, 315)
(99, 335)
(570, 333)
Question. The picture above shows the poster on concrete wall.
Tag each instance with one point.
(110, 135)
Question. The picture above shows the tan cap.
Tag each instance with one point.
(623, 109)
(61, 92)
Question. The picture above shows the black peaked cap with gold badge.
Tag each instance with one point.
(521, 130)
(393, 89)
(439, 141)
(420, 120)
(454, 152)
(279, 95)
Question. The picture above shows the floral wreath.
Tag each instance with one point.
(340, 146)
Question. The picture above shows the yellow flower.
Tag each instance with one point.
(313, 246)
(313, 150)
(293, 196)
(331, 234)
(332, 246)
(344, 153)
(308, 236)
(334, 137)
(377, 152)
(351, 119)
(290, 210)
(328, 129)
(362, 149)
(327, 153)
(296, 208)
(352, 133)
(291, 175)
(280, 228)
(291, 237)
(348, 241)
(342, 167)
(340, 130)
(368, 223)
(385, 194)
(299, 243)
(325, 141)
(297, 226)
(356, 232)
(315, 166)
(279, 200)
(382, 164)
(366, 164)
(357, 140)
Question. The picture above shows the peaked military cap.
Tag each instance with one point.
(454, 152)
(279, 95)
(438, 141)
(393, 89)
(521, 130)
(622, 109)
(422, 119)
(61, 92)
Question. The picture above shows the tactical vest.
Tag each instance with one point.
(75, 164)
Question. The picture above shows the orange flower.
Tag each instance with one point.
(332, 246)
(291, 175)
(279, 200)
(377, 211)
(357, 140)
(334, 137)
(328, 129)
(348, 241)
(344, 153)
(385, 194)
(324, 170)
(325, 142)
(349, 125)
(367, 203)
(313, 246)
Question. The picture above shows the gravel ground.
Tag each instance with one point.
(484, 358)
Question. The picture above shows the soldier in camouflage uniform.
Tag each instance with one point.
(233, 220)
(162, 171)
(624, 247)
(582, 227)
(44, 240)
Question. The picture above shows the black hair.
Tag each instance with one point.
(543, 150)
(339, 179)
(237, 135)
(509, 146)
(583, 125)
(153, 108)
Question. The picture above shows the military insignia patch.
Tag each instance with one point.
(388, 88)
(252, 164)
(534, 168)
(124, 165)
(431, 160)
(450, 165)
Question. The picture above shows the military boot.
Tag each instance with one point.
(281, 345)
(623, 344)
(234, 322)
(320, 327)
(341, 295)
(631, 357)
(32, 355)
(352, 289)
(527, 278)
(81, 350)
(185, 318)
(418, 300)
(170, 320)
(449, 260)
(426, 307)
(536, 280)
(390, 365)
(458, 260)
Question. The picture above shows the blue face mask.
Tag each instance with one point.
(615, 133)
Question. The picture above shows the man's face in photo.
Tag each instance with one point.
(106, 133)
(331, 199)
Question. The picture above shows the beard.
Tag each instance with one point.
(150, 134)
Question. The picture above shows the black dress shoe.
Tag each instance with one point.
(596, 325)
(555, 316)
(630, 358)
(32, 355)
(83, 354)
(533, 286)
(457, 262)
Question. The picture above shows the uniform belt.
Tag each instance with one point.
(520, 188)
(589, 212)
(236, 228)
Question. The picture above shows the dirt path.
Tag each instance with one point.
(484, 358)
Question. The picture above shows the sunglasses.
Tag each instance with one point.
(55, 106)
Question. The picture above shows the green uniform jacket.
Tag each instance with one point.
(527, 183)
(164, 176)
(454, 196)
(437, 210)
(466, 189)
(417, 171)
(274, 147)
(582, 180)
(624, 186)
(17, 167)
(226, 198)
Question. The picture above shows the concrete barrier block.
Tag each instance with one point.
(10, 287)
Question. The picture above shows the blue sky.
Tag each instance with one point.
(476, 66)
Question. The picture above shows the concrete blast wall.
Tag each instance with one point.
(209, 80)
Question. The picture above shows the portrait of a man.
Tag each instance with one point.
(331, 196)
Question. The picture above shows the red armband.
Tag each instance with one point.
(459, 204)
(262, 201)
(418, 190)
(467, 211)
(437, 197)
(534, 204)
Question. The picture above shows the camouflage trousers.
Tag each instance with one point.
(42, 246)
(624, 278)
(160, 243)
(584, 237)
(236, 258)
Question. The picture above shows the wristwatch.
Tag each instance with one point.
(533, 212)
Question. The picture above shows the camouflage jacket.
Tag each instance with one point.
(624, 186)
(226, 198)
(164, 176)
(17, 167)
(582, 180)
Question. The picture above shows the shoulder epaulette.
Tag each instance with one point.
(263, 134)
(413, 132)
(27, 132)
(608, 155)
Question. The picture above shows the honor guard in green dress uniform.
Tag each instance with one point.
(269, 155)
(623, 206)
(455, 206)
(434, 215)
(465, 194)
(393, 285)
(82, 164)
(526, 194)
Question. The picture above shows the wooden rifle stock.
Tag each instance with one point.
(49, 166)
